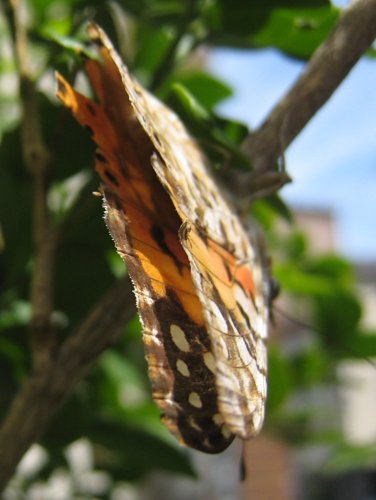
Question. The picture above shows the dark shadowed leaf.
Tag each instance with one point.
(296, 28)
(135, 452)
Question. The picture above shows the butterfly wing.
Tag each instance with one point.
(201, 285)
(145, 225)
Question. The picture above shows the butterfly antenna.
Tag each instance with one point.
(303, 324)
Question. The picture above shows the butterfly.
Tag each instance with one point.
(201, 281)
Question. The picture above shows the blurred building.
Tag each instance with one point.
(277, 471)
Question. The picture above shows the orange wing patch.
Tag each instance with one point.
(201, 284)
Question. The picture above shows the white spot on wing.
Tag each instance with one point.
(209, 361)
(194, 424)
(218, 419)
(179, 338)
(182, 368)
(226, 431)
(206, 443)
(195, 400)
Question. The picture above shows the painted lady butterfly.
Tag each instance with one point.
(201, 283)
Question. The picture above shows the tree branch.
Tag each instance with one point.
(44, 392)
(37, 159)
(332, 61)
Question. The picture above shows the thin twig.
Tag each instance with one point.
(332, 61)
(45, 391)
(331, 342)
(37, 160)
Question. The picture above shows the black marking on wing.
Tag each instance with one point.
(91, 109)
(245, 315)
(158, 236)
(111, 178)
(100, 157)
(210, 438)
(229, 274)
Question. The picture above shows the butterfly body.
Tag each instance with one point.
(201, 283)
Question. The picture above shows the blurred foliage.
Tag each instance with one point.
(159, 40)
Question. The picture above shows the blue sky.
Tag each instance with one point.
(333, 161)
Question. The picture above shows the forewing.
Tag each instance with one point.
(145, 225)
(229, 266)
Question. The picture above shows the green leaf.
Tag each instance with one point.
(13, 366)
(361, 345)
(41, 7)
(119, 369)
(159, 12)
(297, 32)
(72, 44)
(64, 194)
(296, 245)
(280, 379)
(123, 380)
(310, 366)
(206, 89)
(17, 314)
(152, 46)
(296, 28)
(264, 214)
(207, 129)
(116, 264)
(347, 457)
(298, 282)
(334, 267)
(337, 316)
(16, 226)
(266, 210)
(197, 117)
(276, 202)
(124, 393)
